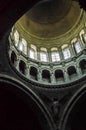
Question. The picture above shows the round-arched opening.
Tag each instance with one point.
(33, 73)
(46, 75)
(59, 75)
(21, 108)
(77, 117)
(15, 114)
(13, 58)
(72, 72)
(22, 67)
(83, 66)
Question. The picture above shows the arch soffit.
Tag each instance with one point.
(71, 104)
(80, 59)
(18, 86)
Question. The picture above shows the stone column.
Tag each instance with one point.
(49, 56)
(39, 76)
(27, 72)
(52, 78)
(38, 53)
(78, 69)
(17, 64)
(66, 76)
(28, 51)
(61, 54)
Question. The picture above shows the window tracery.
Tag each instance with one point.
(77, 47)
(66, 53)
(43, 54)
(32, 54)
(53, 55)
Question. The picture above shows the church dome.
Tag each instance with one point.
(51, 18)
(47, 44)
(49, 11)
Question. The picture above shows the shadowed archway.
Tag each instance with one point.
(21, 108)
(74, 116)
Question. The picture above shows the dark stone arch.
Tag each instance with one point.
(77, 116)
(59, 75)
(82, 65)
(13, 57)
(72, 72)
(21, 108)
(33, 73)
(74, 115)
(22, 67)
(46, 76)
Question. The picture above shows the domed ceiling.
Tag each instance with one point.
(49, 19)
(49, 11)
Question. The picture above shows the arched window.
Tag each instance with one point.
(16, 38)
(71, 72)
(46, 75)
(22, 67)
(33, 52)
(82, 65)
(66, 51)
(13, 58)
(43, 55)
(55, 55)
(77, 47)
(23, 46)
(33, 73)
(59, 75)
